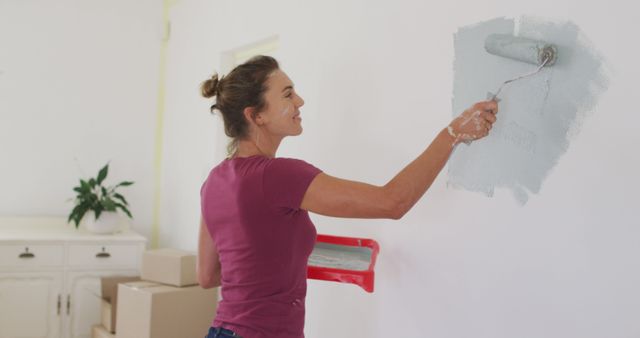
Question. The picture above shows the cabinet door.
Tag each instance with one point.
(30, 304)
(83, 300)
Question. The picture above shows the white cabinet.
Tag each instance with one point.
(30, 304)
(83, 300)
(50, 275)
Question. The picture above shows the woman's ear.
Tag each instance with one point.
(248, 114)
(252, 117)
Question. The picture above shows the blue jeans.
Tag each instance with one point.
(218, 332)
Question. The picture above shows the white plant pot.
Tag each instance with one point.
(108, 222)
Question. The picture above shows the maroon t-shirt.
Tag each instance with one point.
(252, 209)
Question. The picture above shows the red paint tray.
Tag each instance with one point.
(344, 260)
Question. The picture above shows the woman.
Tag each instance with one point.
(255, 232)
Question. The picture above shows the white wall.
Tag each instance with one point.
(78, 80)
(377, 79)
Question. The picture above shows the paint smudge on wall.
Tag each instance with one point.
(538, 115)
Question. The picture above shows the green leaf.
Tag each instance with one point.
(74, 212)
(104, 192)
(97, 213)
(77, 213)
(124, 209)
(109, 204)
(85, 186)
(75, 220)
(92, 183)
(125, 183)
(98, 207)
(84, 207)
(72, 215)
(103, 173)
(121, 198)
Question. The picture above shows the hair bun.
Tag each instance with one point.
(209, 88)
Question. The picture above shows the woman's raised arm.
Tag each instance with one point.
(336, 197)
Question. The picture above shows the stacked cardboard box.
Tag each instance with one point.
(99, 331)
(167, 302)
(109, 286)
(169, 266)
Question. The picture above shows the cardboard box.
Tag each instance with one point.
(107, 323)
(98, 331)
(109, 286)
(108, 317)
(153, 310)
(169, 266)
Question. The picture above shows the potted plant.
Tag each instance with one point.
(103, 201)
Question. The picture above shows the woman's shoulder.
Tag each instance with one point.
(262, 163)
(289, 167)
(287, 162)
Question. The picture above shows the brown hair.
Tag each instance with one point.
(243, 87)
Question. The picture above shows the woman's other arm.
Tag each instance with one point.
(208, 263)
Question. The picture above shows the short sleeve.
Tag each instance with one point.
(285, 181)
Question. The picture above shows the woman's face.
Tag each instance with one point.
(281, 116)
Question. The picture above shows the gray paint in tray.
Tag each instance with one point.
(340, 257)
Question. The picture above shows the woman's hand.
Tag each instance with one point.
(474, 123)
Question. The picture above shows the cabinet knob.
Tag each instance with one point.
(103, 254)
(26, 254)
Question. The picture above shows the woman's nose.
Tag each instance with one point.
(300, 101)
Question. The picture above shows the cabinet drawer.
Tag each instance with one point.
(26, 255)
(96, 255)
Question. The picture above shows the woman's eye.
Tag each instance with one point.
(289, 95)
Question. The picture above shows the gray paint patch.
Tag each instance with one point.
(538, 115)
(340, 257)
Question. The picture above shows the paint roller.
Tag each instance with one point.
(517, 48)
(536, 52)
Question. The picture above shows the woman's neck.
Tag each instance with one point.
(248, 148)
